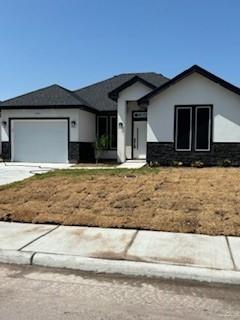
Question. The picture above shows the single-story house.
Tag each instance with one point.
(194, 116)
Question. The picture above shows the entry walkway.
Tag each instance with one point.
(132, 164)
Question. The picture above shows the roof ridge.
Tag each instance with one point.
(75, 96)
(33, 91)
(96, 83)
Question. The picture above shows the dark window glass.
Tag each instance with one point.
(113, 132)
(102, 126)
(183, 129)
(202, 129)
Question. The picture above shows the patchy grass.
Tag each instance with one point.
(168, 199)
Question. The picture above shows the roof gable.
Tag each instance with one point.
(98, 94)
(114, 94)
(183, 75)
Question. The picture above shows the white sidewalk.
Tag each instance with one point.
(130, 252)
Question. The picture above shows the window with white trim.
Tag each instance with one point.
(202, 128)
(183, 128)
(193, 125)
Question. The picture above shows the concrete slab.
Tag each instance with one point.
(86, 242)
(133, 268)
(13, 236)
(17, 171)
(234, 243)
(132, 164)
(181, 249)
(15, 257)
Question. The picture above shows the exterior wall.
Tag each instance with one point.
(87, 126)
(132, 93)
(194, 90)
(81, 137)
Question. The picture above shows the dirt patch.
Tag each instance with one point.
(173, 199)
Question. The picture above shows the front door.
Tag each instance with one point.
(139, 139)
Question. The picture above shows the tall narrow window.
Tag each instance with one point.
(102, 126)
(202, 129)
(183, 128)
(113, 132)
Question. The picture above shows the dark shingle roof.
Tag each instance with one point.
(55, 96)
(97, 94)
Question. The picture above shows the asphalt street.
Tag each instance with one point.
(28, 292)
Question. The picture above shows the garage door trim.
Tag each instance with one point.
(10, 120)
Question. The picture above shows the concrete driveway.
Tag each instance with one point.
(14, 171)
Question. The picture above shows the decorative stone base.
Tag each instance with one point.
(81, 152)
(6, 151)
(164, 153)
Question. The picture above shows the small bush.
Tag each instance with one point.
(153, 164)
(226, 163)
(197, 164)
(177, 163)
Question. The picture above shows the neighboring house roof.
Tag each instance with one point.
(184, 74)
(53, 96)
(97, 94)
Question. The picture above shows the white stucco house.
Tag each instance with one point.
(194, 116)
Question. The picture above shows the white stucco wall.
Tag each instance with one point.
(132, 93)
(87, 126)
(195, 89)
(83, 131)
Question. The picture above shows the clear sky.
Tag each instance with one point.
(77, 42)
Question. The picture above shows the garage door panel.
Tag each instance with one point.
(40, 140)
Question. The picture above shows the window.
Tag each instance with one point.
(193, 128)
(183, 128)
(202, 129)
(102, 126)
(107, 126)
(113, 132)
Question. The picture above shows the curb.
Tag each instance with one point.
(132, 268)
(15, 257)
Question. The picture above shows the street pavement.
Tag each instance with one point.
(28, 292)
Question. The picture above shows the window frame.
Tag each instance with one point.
(108, 118)
(194, 107)
(209, 128)
(176, 127)
(110, 131)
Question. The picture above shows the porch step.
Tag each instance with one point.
(133, 164)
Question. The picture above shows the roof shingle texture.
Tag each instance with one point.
(50, 96)
(97, 94)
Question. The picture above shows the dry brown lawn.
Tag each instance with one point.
(168, 199)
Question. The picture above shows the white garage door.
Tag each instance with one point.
(39, 140)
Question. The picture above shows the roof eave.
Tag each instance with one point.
(185, 74)
(17, 107)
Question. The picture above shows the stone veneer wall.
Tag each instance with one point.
(164, 153)
(6, 151)
(81, 152)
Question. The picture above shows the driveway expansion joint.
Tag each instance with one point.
(130, 244)
(41, 236)
(231, 255)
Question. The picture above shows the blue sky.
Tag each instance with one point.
(77, 42)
